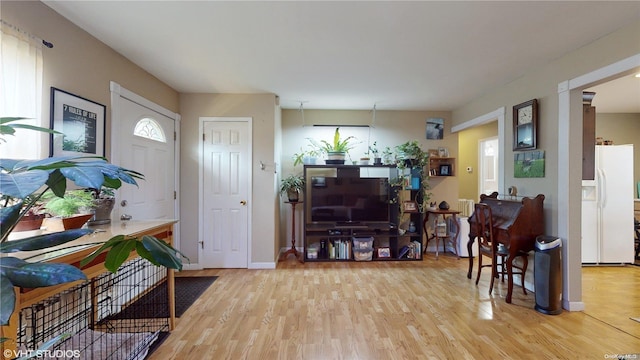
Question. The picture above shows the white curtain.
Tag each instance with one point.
(21, 91)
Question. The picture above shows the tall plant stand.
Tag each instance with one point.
(293, 249)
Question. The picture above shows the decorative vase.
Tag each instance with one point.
(29, 222)
(102, 211)
(377, 161)
(335, 157)
(293, 195)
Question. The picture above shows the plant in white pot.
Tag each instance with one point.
(337, 149)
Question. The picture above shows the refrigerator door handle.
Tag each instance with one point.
(602, 186)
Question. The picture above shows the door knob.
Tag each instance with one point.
(125, 217)
(243, 202)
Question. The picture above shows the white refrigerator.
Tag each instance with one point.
(607, 207)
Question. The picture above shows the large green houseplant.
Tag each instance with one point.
(411, 161)
(23, 183)
(336, 149)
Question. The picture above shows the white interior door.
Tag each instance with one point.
(225, 169)
(144, 141)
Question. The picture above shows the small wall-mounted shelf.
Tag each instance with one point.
(442, 166)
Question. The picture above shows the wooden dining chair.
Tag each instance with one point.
(488, 246)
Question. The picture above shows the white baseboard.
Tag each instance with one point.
(262, 265)
(572, 305)
(191, 266)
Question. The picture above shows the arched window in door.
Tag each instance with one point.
(149, 129)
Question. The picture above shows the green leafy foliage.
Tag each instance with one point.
(23, 183)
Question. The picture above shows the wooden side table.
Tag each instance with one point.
(454, 239)
(293, 249)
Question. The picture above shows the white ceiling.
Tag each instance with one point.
(420, 55)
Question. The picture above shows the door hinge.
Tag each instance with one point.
(175, 136)
(203, 139)
(175, 195)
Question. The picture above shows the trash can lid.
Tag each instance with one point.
(544, 242)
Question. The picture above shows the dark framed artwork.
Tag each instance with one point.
(525, 125)
(445, 170)
(435, 129)
(81, 123)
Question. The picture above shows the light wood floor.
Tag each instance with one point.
(398, 310)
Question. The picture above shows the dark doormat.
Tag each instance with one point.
(154, 303)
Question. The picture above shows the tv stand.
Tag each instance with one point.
(331, 240)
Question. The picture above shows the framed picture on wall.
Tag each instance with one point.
(435, 129)
(81, 123)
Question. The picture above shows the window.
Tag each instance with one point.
(149, 129)
(21, 91)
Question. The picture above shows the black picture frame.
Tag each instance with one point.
(445, 170)
(525, 125)
(81, 123)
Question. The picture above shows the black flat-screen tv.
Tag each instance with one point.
(348, 199)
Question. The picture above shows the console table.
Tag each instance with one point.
(73, 252)
(442, 213)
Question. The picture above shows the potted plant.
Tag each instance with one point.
(23, 184)
(373, 150)
(293, 186)
(337, 149)
(411, 161)
(387, 156)
(33, 217)
(103, 203)
(73, 209)
(306, 157)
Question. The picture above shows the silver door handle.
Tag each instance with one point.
(125, 217)
(243, 202)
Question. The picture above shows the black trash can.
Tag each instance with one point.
(547, 275)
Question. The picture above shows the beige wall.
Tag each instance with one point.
(542, 84)
(80, 64)
(262, 109)
(391, 128)
(468, 156)
(622, 128)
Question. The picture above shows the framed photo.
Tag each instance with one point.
(525, 125)
(435, 129)
(81, 123)
(410, 206)
(384, 252)
(443, 152)
(528, 164)
(445, 170)
(433, 153)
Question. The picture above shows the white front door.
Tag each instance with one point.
(226, 177)
(144, 141)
